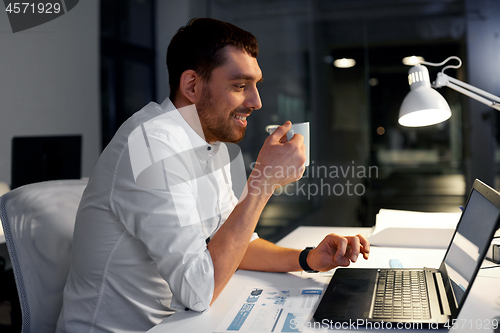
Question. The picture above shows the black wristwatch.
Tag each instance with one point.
(303, 260)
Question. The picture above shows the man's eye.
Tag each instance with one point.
(240, 86)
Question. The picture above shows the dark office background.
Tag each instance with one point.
(353, 112)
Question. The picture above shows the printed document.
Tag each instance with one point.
(270, 309)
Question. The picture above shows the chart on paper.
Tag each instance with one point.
(271, 310)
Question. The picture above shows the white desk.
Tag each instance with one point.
(483, 302)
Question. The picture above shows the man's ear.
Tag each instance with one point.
(190, 85)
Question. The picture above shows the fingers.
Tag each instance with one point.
(355, 244)
(278, 155)
(340, 244)
(298, 137)
(280, 133)
(359, 245)
(284, 131)
(295, 146)
(335, 250)
(347, 249)
(365, 246)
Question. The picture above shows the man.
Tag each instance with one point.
(159, 228)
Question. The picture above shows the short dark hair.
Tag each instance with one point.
(198, 46)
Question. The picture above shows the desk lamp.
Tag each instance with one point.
(424, 106)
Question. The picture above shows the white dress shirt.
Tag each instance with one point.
(157, 194)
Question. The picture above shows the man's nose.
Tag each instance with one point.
(253, 100)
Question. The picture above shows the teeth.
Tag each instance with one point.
(240, 117)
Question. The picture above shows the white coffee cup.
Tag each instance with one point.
(298, 128)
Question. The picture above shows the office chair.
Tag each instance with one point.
(38, 222)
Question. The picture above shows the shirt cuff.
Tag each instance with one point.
(178, 306)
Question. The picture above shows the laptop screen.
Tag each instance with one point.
(471, 240)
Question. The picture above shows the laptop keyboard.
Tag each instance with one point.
(401, 294)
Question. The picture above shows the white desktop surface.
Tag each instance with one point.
(481, 306)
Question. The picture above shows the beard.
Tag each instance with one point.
(217, 126)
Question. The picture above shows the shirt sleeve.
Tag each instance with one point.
(160, 209)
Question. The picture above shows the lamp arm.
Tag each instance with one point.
(468, 90)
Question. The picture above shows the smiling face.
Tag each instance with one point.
(229, 97)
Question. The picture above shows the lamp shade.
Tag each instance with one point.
(423, 106)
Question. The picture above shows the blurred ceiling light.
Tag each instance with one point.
(413, 60)
(380, 130)
(344, 63)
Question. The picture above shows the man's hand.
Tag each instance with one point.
(335, 250)
(280, 161)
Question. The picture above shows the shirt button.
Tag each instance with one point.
(209, 148)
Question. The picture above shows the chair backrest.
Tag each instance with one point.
(38, 222)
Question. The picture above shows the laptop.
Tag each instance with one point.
(424, 295)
